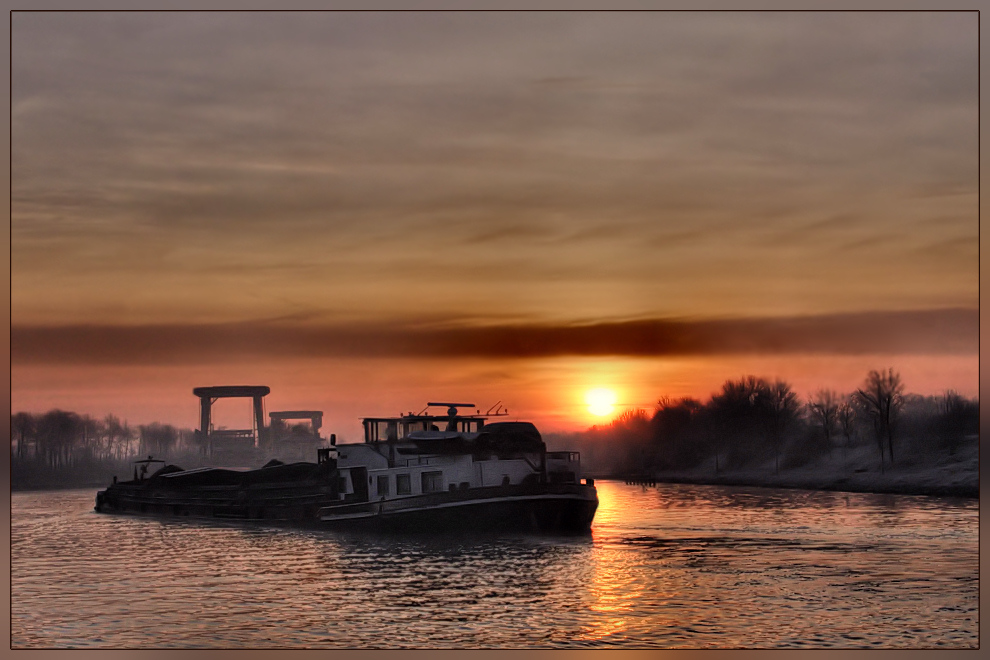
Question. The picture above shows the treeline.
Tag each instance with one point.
(751, 423)
(59, 448)
(758, 423)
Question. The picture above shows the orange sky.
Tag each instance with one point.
(547, 391)
(274, 186)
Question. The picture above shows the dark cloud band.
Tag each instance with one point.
(943, 331)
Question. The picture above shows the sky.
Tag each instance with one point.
(367, 211)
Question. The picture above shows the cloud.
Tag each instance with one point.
(533, 152)
(945, 331)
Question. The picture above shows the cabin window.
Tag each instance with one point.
(432, 482)
(342, 484)
(403, 484)
(383, 430)
(413, 427)
(383, 484)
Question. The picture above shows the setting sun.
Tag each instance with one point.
(601, 401)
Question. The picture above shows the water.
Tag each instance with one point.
(674, 566)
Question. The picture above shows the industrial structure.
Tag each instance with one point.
(246, 446)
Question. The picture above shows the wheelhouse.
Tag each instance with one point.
(392, 429)
(420, 453)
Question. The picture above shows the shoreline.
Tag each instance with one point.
(932, 474)
(842, 486)
(928, 490)
(37, 487)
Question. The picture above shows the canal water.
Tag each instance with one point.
(671, 566)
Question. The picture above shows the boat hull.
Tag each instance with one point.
(300, 507)
(544, 508)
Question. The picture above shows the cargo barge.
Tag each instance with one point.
(415, 472)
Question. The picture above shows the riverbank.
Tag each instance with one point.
(944, 475)
(64, 479)
(33, 475)
(61, 485)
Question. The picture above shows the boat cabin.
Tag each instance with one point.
(417, 454)
(385, 429)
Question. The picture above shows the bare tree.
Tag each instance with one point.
(882, 396)
(677, 433)
(118, 437)
(23, 426)
(955, 417)
(781, 406)
(158, 438)
(846, 417)
(824, 409)
(88, 442)
(736, 413)
(56, 433)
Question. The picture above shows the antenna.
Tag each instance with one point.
(489, 411)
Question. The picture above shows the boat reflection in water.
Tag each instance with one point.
(408, 474)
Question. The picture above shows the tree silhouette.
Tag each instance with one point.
(158, 438)
(738, 413)
(824, 410)
(117, 437)
(846, 417)
(22, 426)
(677, 432)
(882, 396)
(56, 434)
(956, 417)
(781, 406)
(631, 430)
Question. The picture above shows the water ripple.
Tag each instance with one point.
(666, 567)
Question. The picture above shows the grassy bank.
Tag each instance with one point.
(955, 475)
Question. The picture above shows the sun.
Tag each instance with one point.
(601, 401)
